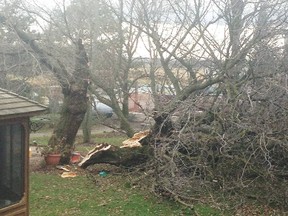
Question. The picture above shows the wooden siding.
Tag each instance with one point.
(22, 207)
(15, 109)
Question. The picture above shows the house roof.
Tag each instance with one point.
(13, 105)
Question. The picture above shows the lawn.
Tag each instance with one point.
(111, 195)
(52, 195)
(113, 138)
(90, 194)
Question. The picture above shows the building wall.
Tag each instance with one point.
(140, 101)
(22, 207)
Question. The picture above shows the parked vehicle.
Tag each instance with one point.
(101, 109)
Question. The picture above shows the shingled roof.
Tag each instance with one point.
(13, 105)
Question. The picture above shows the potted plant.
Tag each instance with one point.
(53, 151)
(52, 154)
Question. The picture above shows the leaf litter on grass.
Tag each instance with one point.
(89, 193)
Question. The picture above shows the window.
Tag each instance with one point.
(11, 164)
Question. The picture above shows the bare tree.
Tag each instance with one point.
(74, 86)
(112, 44)
(224, 128)
(114, 75)
(225, 111)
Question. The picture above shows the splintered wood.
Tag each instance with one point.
(69, 174)
(92, 153)
(128, 154)
(135, 140)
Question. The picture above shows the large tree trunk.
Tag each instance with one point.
(72, 114)
(74, 88)
(132, 152)
(114, 155)
(74, 105)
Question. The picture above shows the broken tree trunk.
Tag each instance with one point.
(74, 88)
(74, 106)
(131, 153)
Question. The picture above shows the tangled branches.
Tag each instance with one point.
(220, 148)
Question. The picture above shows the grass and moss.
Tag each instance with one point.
(52, 195)
(90, 194)
(114, 194)
(114, 138)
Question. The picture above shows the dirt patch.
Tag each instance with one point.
(36, 161)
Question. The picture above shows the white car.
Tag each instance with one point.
(102, 109)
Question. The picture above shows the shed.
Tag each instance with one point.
(15, 113)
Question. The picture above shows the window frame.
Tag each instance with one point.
(23, 146)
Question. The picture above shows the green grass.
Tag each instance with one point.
(95, 138)
(41, 140)
(52, 195)
(103, 138)
(206, 210)
(84, 149)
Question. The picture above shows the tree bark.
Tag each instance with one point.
(114, 155)
(74, 88)
(74, 107)
(72, 115)
(132, 152)
(86, 125)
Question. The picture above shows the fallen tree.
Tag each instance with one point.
(131, 153)
(236, 149)
(230, 149)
